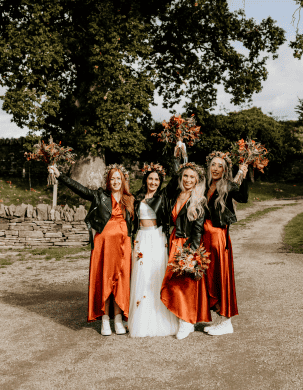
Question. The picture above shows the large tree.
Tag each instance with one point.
(85, 70)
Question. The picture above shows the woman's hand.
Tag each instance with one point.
(244, 169)
(53, 169)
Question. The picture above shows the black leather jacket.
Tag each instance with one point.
(239, 193)
(159, 204)
(192, 230)
(101, 208)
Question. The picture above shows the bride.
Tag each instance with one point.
(148, 316)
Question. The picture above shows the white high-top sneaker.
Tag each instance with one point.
(105, 327)
(224, 327)
(208, 328)
(185, 328)
(119, 327)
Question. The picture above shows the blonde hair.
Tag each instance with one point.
(221, 184)
(197, 200)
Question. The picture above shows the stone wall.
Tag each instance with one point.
(26, 226)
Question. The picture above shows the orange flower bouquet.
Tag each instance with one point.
(250, 152)
(193, 263)
(178, 127)
(50, 154)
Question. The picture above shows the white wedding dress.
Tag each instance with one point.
(148, 316)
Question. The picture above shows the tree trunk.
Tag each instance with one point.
(251, 173)
(89, 171)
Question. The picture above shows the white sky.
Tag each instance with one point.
(285, 75)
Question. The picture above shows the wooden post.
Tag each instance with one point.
(55, 192)
(55, 185)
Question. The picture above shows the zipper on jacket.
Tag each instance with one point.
(105, 205)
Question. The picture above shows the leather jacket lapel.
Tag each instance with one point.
(107, 201)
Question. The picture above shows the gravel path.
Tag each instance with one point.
(45, 342)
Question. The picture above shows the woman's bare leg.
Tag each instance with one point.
(117, 309)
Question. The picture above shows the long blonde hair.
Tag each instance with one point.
(221, 184)
(197, 200)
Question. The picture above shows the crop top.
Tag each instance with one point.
(146, 212)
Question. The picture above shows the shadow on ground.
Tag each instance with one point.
(66, 306)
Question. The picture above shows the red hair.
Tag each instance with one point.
(127, 199)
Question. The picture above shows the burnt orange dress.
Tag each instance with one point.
(220, 274)
(182, 295)
(110, 266)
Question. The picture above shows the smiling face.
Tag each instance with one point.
(189, 179)
(153, 182)
(217, 168)
(115, 181)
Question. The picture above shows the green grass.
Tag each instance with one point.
(16, 191)
(4, 262)
(293, 235)
(47, 254)
(57, 253)
(260, 191)
(256, 215)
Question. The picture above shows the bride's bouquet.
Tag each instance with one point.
(177, 128)
(250, 152)
(193, 263)
(50, 154)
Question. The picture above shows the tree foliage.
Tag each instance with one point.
(85, 71)
(220, 131)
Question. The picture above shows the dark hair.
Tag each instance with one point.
(140, 194)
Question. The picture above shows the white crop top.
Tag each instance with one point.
(146, 212)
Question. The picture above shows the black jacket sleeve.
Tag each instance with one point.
(240, 194)
(77, 188)
(170, 190)
(196, 233)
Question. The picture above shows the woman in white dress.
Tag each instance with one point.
(148, 316)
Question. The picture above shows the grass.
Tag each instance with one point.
(56, 253)
(293, 235)
(16, 191)
(47, 254)
(256, 215)
(260, 191)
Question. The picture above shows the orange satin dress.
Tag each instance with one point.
(182, 295)
(220, 274)
(110, 266)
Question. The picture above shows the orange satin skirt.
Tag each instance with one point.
(110, 267)
(220, 274)
(182, 295)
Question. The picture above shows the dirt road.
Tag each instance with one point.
(45, 342)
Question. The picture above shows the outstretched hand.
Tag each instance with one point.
(53, 169)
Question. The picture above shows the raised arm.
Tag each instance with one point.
(76, 187)
(172, 185)
(239, 190)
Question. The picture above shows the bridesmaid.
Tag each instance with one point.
(221, 191)
(147, 314)
(183, 296)
(110, 215)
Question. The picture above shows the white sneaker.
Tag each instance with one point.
(119, 328)
(208, 328)
(185, 328)
(105, 327)
(224, 327)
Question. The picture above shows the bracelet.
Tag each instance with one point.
(240, 170)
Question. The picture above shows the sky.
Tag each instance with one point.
(280, 91)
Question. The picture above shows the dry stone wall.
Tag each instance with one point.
(26, 226)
